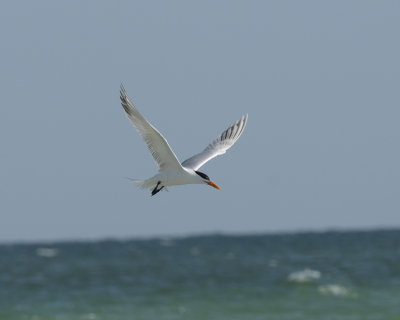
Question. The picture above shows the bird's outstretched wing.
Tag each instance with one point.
(157, 144)
(218, 146)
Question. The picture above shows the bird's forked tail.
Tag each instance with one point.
(143, 184)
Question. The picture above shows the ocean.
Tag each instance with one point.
(327, 276)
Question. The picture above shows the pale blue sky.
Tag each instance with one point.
(320, 81)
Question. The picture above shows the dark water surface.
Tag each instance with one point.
(333, 275)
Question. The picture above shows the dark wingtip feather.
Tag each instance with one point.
(125, 100)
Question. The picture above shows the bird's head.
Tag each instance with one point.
(207, 180)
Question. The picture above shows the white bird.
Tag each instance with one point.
(170, 171)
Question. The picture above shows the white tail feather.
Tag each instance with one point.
(143, 184)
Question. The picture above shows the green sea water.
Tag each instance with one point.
(333, 275)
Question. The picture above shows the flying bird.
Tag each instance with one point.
(170, 171)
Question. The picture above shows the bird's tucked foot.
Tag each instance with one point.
(156, 189)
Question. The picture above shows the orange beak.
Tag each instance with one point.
(212, 184)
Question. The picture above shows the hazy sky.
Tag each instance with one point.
(320, 81)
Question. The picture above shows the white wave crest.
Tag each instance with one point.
(273, 263)
(303, 276)
(47, 252)
(336, 290)
(166, 242)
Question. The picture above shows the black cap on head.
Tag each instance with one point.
(203, 175)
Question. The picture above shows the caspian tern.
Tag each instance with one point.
(170, 171)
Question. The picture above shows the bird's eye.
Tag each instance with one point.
(203, 175)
